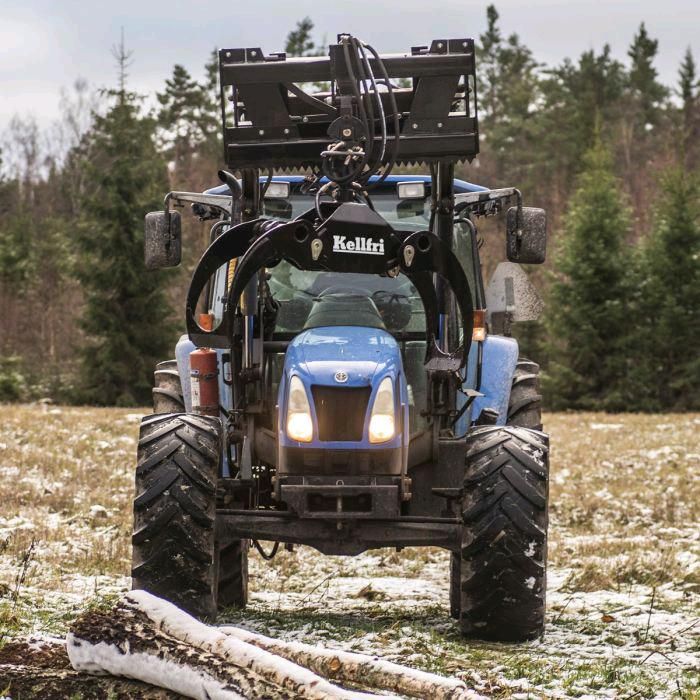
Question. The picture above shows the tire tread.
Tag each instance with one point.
(175, 510)
(504, 540)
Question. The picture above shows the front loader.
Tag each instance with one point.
(341, 384)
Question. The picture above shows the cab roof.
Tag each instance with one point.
(460, 186)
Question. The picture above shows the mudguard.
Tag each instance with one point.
(500, 356)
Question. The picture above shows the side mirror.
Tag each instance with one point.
(162, 242)
(527, 242)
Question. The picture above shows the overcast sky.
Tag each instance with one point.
(47, 44)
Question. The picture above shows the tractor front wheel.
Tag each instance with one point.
(504, 534)
(175, 510)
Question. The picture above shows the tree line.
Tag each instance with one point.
(610, 151)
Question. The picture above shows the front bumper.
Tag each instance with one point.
(335, 500)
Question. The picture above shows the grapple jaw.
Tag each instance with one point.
(353, 239)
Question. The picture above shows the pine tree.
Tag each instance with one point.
(488, 52)
(185, 117)
(688, 85)
(643, 100)
(299, 41)
(669, 329)
(645, 87)
(588, 320)
(509, 90)
(579, 100)
(211, 124)
(126, 314)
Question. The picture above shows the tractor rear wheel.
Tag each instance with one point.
(504, 534)
(232, 574)
(455, 585)
(525, 403)
(167, 392)
(175, 510)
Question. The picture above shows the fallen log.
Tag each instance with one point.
(151, 640)
(31, 668)
(360, 669)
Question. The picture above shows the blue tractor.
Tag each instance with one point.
(346, 381)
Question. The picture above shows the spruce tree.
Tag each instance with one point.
(126, 316)
(669, 328)
(588, 320)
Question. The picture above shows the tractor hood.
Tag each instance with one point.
(341, 369)
(350, 356)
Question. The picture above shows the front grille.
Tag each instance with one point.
(340, 412)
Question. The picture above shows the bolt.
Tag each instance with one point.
(347, 133)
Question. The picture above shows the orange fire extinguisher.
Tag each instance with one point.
(204, 382)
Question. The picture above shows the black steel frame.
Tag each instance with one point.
(272, 121)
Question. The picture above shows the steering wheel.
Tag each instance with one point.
(395, 309)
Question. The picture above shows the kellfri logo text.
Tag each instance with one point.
(359, 244)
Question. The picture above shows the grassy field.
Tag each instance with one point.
(624, 577)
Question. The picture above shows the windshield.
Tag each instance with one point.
(315, 299)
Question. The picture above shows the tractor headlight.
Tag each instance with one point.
(300, 426)
(381, 422)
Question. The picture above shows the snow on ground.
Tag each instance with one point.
(624, 580)
(598, 644)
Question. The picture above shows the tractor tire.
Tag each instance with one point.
(504, 534)
(525, 403)
(455, 585)
(232, 574)
(175, 510)
(167, 392)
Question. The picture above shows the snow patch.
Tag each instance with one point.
(134, 417)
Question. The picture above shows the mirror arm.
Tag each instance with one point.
(519, 215)
(221, 202)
